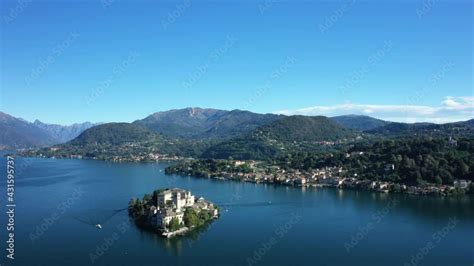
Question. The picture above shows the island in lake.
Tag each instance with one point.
(172, 212)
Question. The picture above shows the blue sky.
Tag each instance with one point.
(72, 61)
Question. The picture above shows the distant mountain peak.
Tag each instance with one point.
(19, 133)
(64, 133)
(86, 124)
(195, 111)
(196, 122)
(5, 116)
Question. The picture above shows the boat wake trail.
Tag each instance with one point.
(96, 216)
(251, 204)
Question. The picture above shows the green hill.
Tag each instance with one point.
(359, 122)
(123, 142)
(113, 134)
(303, 128)
(292, 133)
(464, 128)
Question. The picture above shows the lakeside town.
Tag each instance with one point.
(263, 172)
(117, 157)
(335, 177)
(172, 212)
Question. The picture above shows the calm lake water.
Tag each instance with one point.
(59, 201)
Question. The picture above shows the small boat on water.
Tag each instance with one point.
(98, 226)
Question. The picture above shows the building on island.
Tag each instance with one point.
(171, 212)
(460, 183)
(175, 198)
(172, 204)
(164, 217)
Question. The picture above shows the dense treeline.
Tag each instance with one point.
(114, 134)
(289, 134)
(304, 128)
(207, 167)
(252, 148)
(459, 129)
(410, 161)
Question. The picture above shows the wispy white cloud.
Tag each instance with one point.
(449, 110)
(458, 103)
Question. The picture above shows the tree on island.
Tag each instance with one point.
(136, 207)
(190, 218)
(204, 216)
(174, 224)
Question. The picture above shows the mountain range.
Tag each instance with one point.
(199, 123)
(216, 133)
(17, 133)
(62, 133)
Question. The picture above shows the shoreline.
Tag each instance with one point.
(182, 232)
(179, 232)
(17, 154)
(411, 190)
(430, 190)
